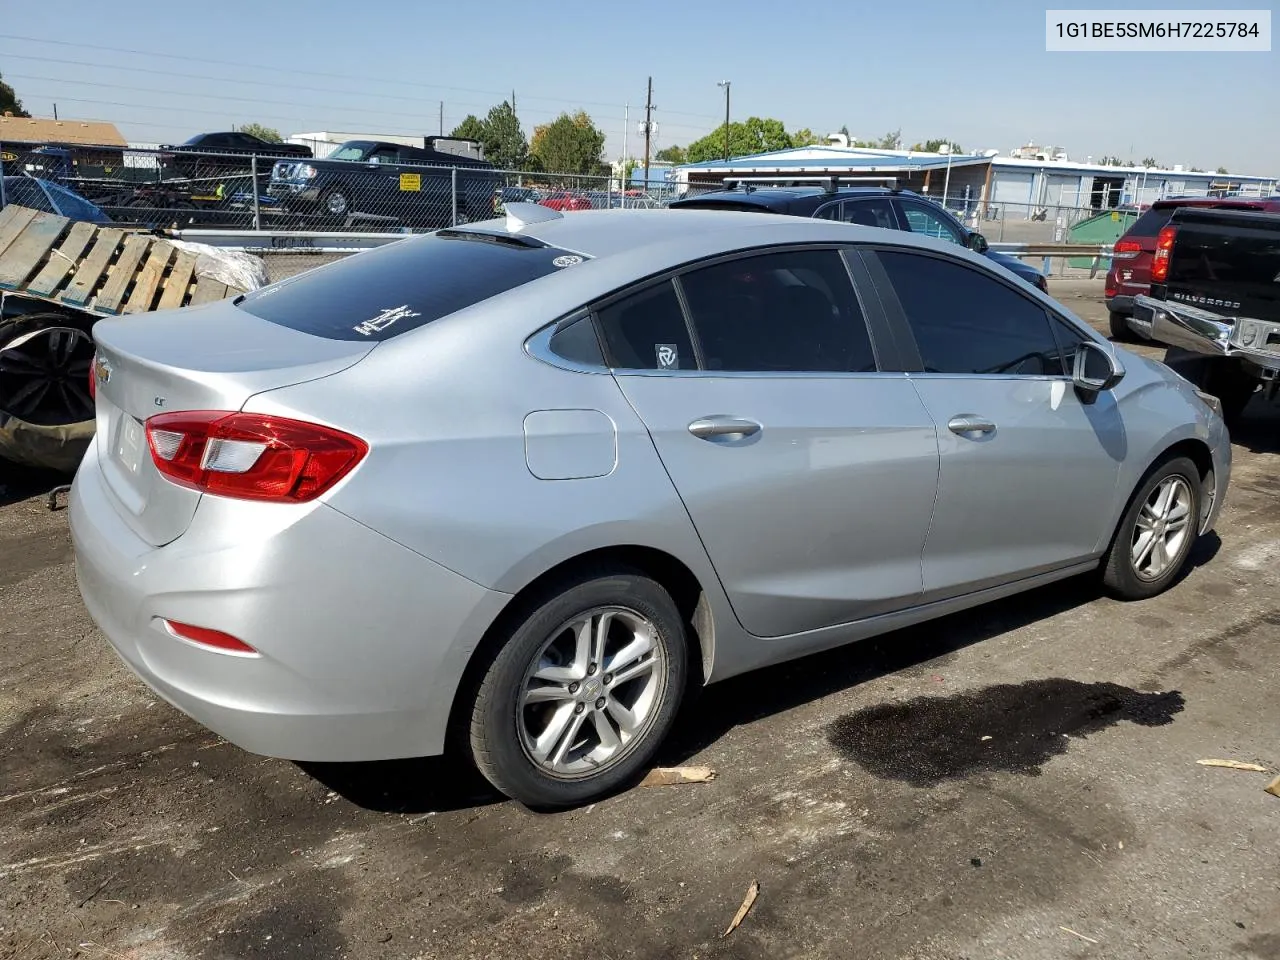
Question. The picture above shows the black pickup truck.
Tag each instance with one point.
(214, 154)
(371, 183)
(1215, 302)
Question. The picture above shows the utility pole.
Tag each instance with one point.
(442, 118)
(648, 128)
(626, 126)
(725, 84)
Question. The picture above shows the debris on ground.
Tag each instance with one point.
(1273, 787)
(668, 776)
(1076, 933)
(1233, 765)
(753, 891)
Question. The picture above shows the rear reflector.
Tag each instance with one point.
(207, 638)
(1160, 262)
(250, 456)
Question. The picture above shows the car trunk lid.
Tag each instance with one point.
(207, 358)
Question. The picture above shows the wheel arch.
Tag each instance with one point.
(665, 568)
(1195, 449)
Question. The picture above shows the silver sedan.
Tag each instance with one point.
(512, 488)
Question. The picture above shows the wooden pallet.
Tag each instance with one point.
(103, 270)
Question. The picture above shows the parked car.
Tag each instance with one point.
(514, 195)
(389, 182)
(563, 200)
(214, 154)
(514, 487)
(1214, 302)
(885, 207)
(49, 197)
(1130, 272)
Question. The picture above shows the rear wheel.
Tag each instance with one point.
(44, 370)
(583, 692)
(1156, 533)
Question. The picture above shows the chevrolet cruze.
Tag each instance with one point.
(512, 488)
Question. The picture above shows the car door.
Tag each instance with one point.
(1027, 472)
(808, 471)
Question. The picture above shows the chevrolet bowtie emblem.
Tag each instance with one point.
(102, 369)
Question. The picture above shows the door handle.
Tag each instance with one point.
(970, 423)
(723, 429)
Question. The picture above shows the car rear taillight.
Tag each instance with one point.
(251, 456)
(207, 638)
(1126, 249)
(1160, 263)
(93, 377)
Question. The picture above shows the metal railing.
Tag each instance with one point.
(208, 190)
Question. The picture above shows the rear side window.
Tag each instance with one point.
(405, 285)
(779, 312)
(646, 331)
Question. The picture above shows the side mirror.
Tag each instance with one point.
(1096, 369)
(978, 243)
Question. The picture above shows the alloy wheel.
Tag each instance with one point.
(1162, 528)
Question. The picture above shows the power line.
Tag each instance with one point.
(284, 70)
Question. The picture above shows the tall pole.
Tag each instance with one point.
(626, 128)
(648, 128)
(946, 183)
(725, 84)
(442, 118)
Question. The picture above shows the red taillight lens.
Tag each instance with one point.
(251, 456)
(208, 638)
(93, 377)
(1160, 263)
(1126, 249)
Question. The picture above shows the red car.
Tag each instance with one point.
(1130, 272)
(563, 200)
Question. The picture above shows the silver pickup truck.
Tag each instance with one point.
(1215, 303)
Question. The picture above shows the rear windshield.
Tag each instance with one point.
(1149, 224)
(389, 291)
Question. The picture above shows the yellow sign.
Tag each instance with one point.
(410, 181)
(1114, 215)
(8, 157)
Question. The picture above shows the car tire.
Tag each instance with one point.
(1120, 331)
(1130, 570)
(335, 202)
(516, 713)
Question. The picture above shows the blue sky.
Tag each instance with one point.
(974, 70)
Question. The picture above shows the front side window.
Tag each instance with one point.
(786, 311)
(966, 322)
(932, 223)
(647, 331)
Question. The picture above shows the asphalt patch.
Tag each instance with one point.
(1012, 728)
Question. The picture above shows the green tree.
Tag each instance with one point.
(747, 137)
(935, 146)
(806, 138)
(569, 144)
(1221, 170)
(1149, 162)
(671, 154)
(845, 130)
(891, 140)
(269, 134)
(471, 128)
(9, 102)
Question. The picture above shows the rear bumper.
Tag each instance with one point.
(1200, 331)
(361, 642)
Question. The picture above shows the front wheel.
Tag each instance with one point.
(1156, 533)
(583, 692)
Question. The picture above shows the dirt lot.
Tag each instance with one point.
(859, 788)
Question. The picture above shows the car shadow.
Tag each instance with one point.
(21, 483)
(420, 785)
(928, 647)
(1258, 429)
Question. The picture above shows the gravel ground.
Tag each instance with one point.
(858, 788)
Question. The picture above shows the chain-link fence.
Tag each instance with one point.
(368, 187)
